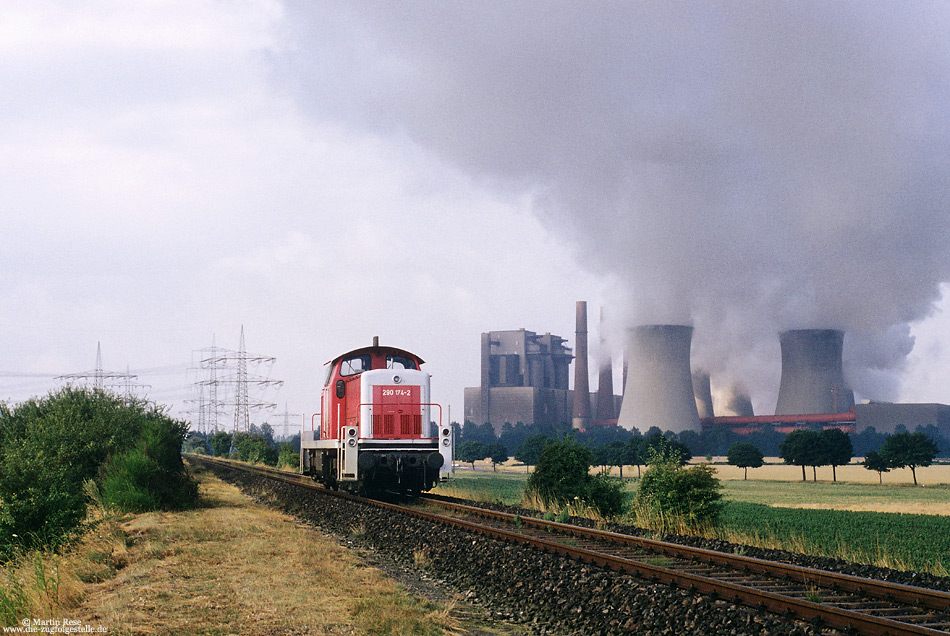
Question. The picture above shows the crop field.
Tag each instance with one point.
(902, 541)
(775, 470)
(891, 525)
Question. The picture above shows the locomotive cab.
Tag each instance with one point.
(376, 428)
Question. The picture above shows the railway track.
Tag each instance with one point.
(828, 600)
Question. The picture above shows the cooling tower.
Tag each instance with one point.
(581, 418)
(738, 403)
(606, 410)
(703, 394)
(812, 376)
(659, 389)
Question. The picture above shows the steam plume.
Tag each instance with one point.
(745, 167)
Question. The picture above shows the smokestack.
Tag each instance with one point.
(659, 389)
(812, 375)
(484, 401)
(703, 394)
(738, 403)
(581, 419)
(606, 410)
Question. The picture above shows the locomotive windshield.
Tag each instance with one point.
(400, 362)
(355, 365)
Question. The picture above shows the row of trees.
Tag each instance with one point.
(833, 448)
(256, 446)
(615, 446)
(634, 451)
(715, 440)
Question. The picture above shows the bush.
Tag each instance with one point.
(220, 443)
(562, 476)
(151, 475)
(50, 447)
(255, 449)
(288, 457)
(675, 496)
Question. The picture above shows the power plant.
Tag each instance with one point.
(524, 378)
(812, 373)
(581, 414)
(702, 391)
(607, 407)
(659, 389)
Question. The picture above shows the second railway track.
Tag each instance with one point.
(829, 601)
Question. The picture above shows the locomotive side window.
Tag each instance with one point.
(329, 372)
(399, 362)
(355, 365)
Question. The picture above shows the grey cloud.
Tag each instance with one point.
(748, 167)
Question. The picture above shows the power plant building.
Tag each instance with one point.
(524, 378)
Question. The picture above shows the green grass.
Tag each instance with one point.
(904, 541)
(505, 488)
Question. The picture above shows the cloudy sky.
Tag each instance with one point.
(323, 172)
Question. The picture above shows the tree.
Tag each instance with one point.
(529, 451)
(472, 451)
(611, 454)
(909, 450)
(745, 456)
(800, 448)
(656, 442)
(874, 461)
(220, 443)
(498, 454)
(637, 452)
(836, 449)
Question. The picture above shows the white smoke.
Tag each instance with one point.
(745, 167)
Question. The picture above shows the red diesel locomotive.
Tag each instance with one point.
(375, 430)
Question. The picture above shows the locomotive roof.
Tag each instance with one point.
(384, 349)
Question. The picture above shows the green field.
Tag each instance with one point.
(902, 541)
(777, 514)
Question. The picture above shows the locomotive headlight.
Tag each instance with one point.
(352, 442)
(445, 432)
(445, 441)
(396, 379)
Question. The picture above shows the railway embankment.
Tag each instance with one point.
(548, 594)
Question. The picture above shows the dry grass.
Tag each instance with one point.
(236, 567)
(774, 470)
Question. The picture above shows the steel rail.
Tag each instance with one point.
(837, 618)
(894, 592)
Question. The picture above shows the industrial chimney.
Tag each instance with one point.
(606, 409)
(581, 413)
(703, 394)
(659, 389)
(812, 375)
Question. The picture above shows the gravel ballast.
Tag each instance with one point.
(548, 593)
